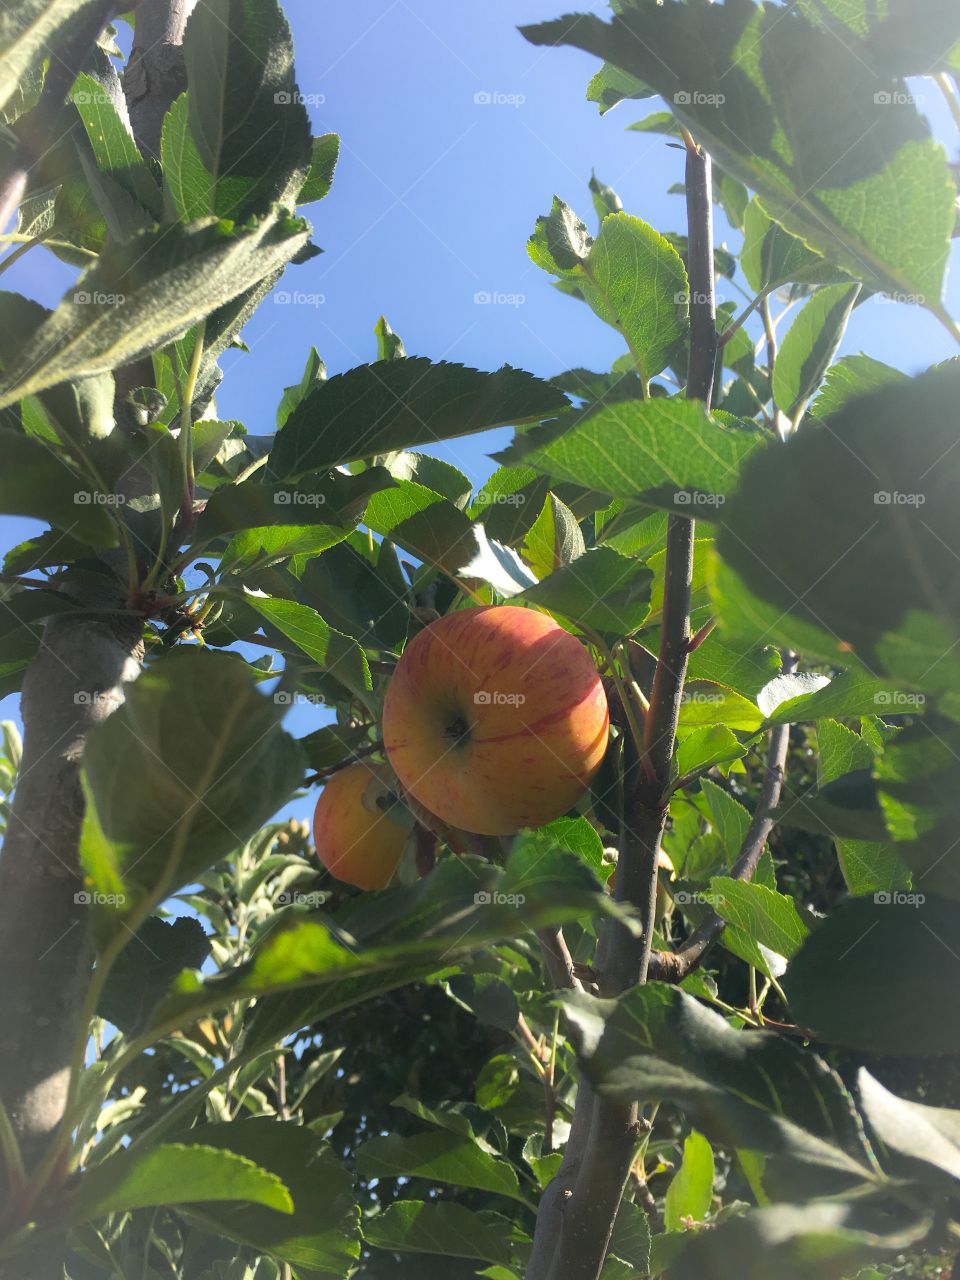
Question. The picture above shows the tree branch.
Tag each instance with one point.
(674, 966)
(588, 1207)
(155, 74)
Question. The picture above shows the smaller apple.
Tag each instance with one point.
(356, 840)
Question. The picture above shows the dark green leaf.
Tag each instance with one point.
(601, 590)
(146, 968)
(397, 403)
(810, 344)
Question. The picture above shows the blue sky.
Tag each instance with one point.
(455, 135)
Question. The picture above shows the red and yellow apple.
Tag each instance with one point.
(355, 838)
(495, 719)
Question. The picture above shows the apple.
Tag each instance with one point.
(355, 838)
(495, 719)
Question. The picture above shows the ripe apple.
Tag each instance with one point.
(355, 838)
(495, 719)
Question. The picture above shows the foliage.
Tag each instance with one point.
(279, 1077)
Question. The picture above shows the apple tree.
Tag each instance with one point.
(625, 943)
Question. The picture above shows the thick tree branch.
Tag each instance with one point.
(155, 74)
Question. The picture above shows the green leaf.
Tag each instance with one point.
(389, 344)
(113, 146)
(329, 649)
(318, 499)
(394, 937)
(412, 1226)
(144, 970)
(554, 539)
(841, 751)
(325, 151)
(791, 111)
(705, 747)
(432, 473)
(851, 377)
(728, 817)
(636, 281)
(772, 257)
(917, 1134)
(690, 1193)
(397, 403)
(809, 346)
(870, 867)
(758, 1091)
(601, 590)
(322, 1233)
(314, 371)
(170, 1174)
(816, 1241)
(666, 452)
(770, 918)
(35, 481)
(246, 121)
(510, 502)
(440, 1156)
(882, 475)
(843, 986)
(190, 765)
(29, 32)
(706, 703)
(424, 523)
(146, 291)
(264, 547)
